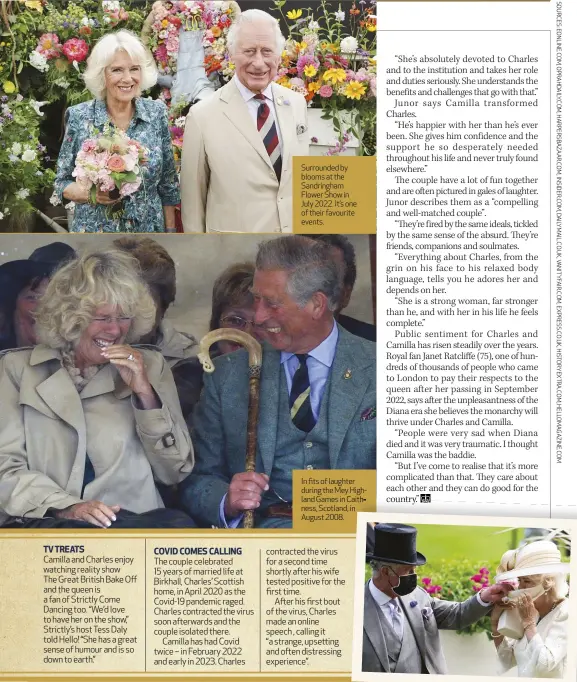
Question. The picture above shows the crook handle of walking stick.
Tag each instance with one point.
(254, 361)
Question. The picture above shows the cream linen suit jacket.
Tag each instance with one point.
(227, 180)
(47, 428)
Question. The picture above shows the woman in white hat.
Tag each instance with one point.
(531, 630)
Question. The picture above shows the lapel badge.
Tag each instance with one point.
(348, 374)
(279, 101)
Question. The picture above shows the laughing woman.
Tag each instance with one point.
(88, 423)
(118, 69)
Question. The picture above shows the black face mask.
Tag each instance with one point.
(407, 583)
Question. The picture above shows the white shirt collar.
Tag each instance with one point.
(381, 598)
(324, 352)
(247, 94)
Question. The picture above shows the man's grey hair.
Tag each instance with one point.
(251, 16)
(377, 565)
(309, 264)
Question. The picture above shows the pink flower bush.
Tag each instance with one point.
(481, 579)
(212, 19)
(429, 587)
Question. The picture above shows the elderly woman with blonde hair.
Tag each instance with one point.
(530, 629)
(118, 69)
(89, 423)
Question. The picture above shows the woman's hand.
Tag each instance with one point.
(81, 195)
(527, 611)
(130, 365)
(496, 612)
(94, 512)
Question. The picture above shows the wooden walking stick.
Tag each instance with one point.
(254, 363)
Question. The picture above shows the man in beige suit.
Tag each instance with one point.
(239, 143)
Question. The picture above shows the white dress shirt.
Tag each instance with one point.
(388, 606)
(319, 365)
(253, 104)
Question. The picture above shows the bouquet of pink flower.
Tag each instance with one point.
(111, 162)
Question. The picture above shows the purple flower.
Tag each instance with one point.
(1, 120)
(65, 24)
(3, 98)
(426, 581)
(477, 578)
(314, 140)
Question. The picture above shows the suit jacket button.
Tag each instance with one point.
(308, 444)
(168, 440)
(310, 466)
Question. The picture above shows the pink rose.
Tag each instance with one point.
(116, 164)
(75, 49)
(326, 91)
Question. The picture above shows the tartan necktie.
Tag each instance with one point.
(268, 132)
(300, 397)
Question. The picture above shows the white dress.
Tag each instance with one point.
(545, 655)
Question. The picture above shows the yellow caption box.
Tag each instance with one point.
(334, 195)
(327, 501)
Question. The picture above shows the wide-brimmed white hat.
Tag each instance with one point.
(534, 558)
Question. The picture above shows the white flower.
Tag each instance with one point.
(75, 65)
(340, 15)
(62, 83)
(70, 206)
(39, 173)
(1, 215)
(180, 122)
(36, 106)
(38, 61)
(16, 148)
(6, 110)
(13, 157)
(85, 21)
(19, 97)
(110, 5)
(23, 193)
(29, 155)
(314, 25)
(54, 200)
(349, 45)
(106, 20)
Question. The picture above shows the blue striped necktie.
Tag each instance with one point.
(300, 397)
(268, 132)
